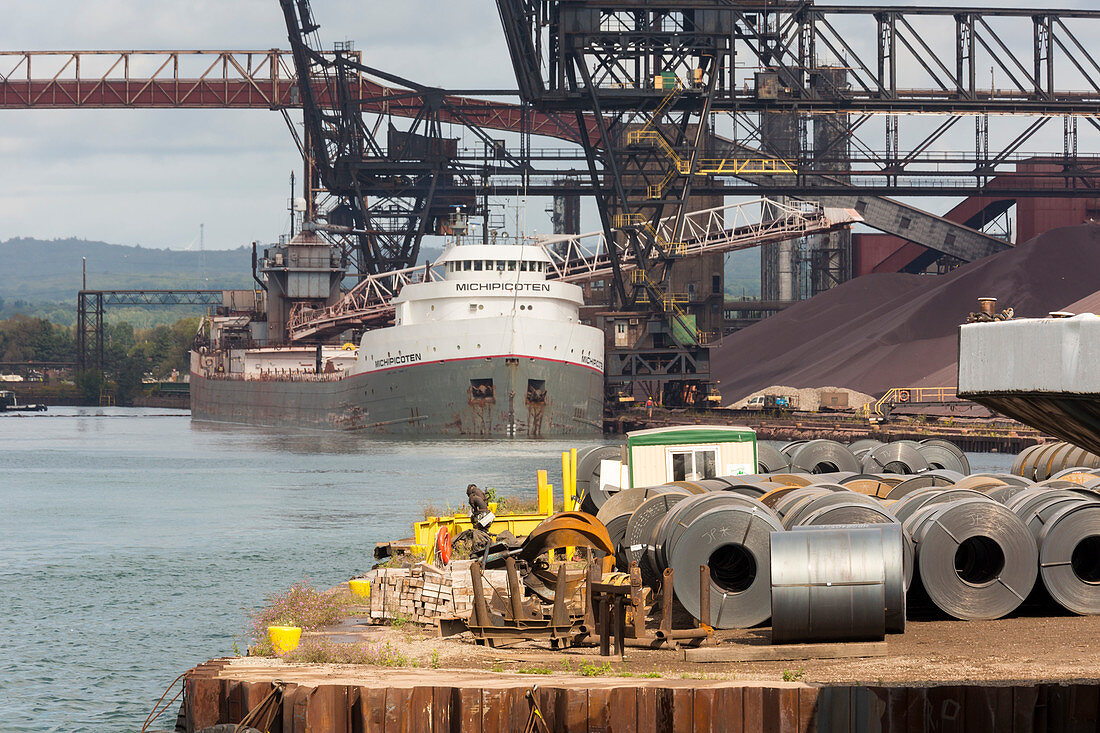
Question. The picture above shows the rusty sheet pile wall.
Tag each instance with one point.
(424, 593)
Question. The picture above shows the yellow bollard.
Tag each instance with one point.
(284, 638)
(360, 587)
(566, 496)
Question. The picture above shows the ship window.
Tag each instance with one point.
(523, 266)
(477, 265)
(500, 265)
(511, 265)
(466, 265)
(488, 264)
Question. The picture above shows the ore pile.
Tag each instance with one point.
(888, 330)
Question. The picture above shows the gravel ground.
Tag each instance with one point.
(1023, 648)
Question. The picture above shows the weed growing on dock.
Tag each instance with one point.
(534, 670)
(300, 605)
(588, 669)
(650, 675)
(400, 621)
(497, 667)
(793, 675)
(433, 662)
(325, 651)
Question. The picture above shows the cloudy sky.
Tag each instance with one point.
(151, 177)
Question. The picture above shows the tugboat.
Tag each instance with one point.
(10, 403)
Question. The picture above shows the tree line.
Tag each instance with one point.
(129, 354)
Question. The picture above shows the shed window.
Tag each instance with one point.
(692, 464)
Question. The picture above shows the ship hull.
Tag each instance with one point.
(484, 396)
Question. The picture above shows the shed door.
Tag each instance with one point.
(692, 464)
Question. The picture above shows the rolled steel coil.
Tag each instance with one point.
(856, 513)
(1078, 475)
(628, 500)
(792, 479)
(775, 495)
(823, 456)
(680, 516)
(923, 481)
(639, 533)
(804, 494)
(616, 511)
(771, 460)
(734, 543)
(981, 481)
(975, 558)
(1035, 515)
(865, 483)
(1026, 501)
(592, 493)
(787, 449)
(942, 454)
(1008, 478)
(1069, 557)
(863, 444)
(1023, 465)
(753, 490)
(792, 517)
(830, 585)
(897, 457)
(914, 502)
(1003, 493)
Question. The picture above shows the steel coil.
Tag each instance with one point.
(1004, 493)
(770, 460)
(855, 513)
(830, 584)
(793, 515)
(1026, 501)
(942, 454)
(897, 457)
(788, 502)
(792, 479)
(631, 499)
(1069, 557)
(923, 481)
(975, 558)
(679, 517)
(981, 481)
(823, 456)
(592, 493)
(640, 530)
(1022, 461)
(752, 490)
(734, 542)
(910, 505)
(863, 444)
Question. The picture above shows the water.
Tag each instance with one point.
(133, 543)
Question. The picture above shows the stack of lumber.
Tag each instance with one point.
(424, 593)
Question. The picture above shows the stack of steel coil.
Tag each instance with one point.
(975, 545)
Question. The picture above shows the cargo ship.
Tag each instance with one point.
(490, 347)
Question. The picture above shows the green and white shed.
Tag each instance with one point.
(689, 453)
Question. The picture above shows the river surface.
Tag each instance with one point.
(133, 543)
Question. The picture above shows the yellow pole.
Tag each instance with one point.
(573, 476)
(566, 484)
(546, 495)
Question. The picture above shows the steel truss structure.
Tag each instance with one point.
(579, 258)
(91, 307)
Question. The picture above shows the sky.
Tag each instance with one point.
(151, 177)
